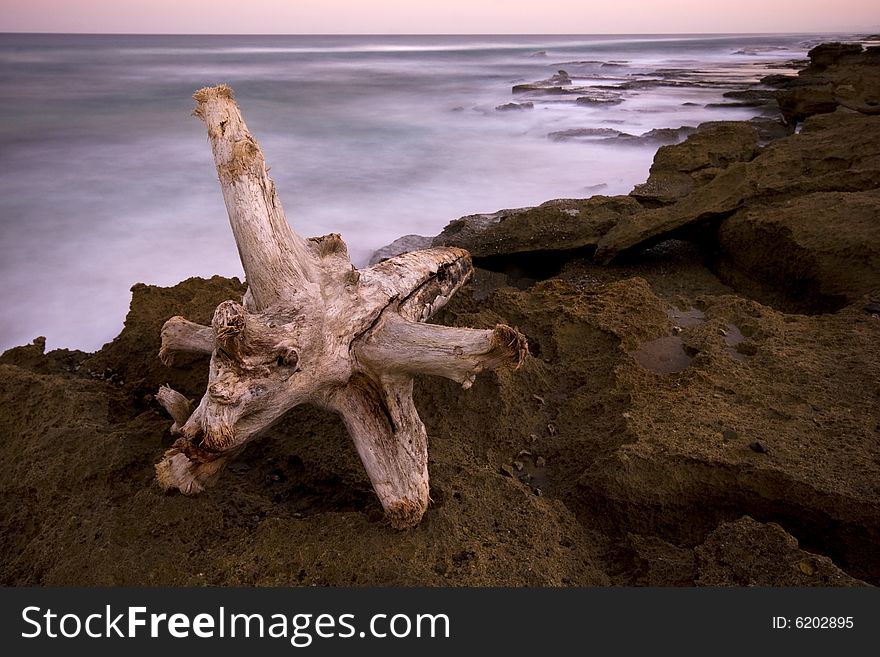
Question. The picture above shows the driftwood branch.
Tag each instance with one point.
(399, 345)
(277, 262)
(391, 441)
(180, 336)
(177, 406)
(313, 329)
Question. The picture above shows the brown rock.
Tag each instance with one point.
(599, 97)
(587, 134)
(679, 168)
(635, 471)
(833, 152)
(659, 563)
(839, 74)
(811, 384)
(664, 187)
(58, 361)
(508, 107)
(556, 225)
(75, 447)
(713, 145)
(133, 354)
(800, 102)
(822, 248)
(826, 55)
(751, 553)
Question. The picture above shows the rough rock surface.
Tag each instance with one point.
(839, 74)
(832, 153)
(562, 224)
(721, 169)
(731, 553)
(657, 136)
(680, 168)
(558, 83)
(777, 410)
(584, 468)
(78, 481)
(131, 358)
(587, 134)
(712, 146)
(507, 107)
(403, 244)
(822, 248)
(598, 98)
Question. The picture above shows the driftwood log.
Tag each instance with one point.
(313, 329)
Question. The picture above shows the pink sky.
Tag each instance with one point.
(438, 16)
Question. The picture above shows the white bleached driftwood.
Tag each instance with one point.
(313, 329)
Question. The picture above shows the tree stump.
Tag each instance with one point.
(313, 329)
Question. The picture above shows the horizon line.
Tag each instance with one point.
(867, 33)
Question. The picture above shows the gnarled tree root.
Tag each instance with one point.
(313, 329)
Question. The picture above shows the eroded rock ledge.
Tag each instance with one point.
(786, 217)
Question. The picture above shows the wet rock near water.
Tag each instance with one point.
(787, 460)
(679, 169)
(508, 107)
(403, 244)
(563, 224)
(712, 146)
(733, 185)
(663, 136)
(629, 462)
(133, 354)
(558, 83)
(652, 137)
(838, 75)
(607, 83)
(547, 89)
(584, 134)
(759, 100)
(833, 153)
(561, 78)
(753, 97)
(599, 98)
(827, 55)
(770, 129)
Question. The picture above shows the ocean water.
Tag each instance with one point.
(106, 180)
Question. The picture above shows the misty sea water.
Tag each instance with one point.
(106, 180)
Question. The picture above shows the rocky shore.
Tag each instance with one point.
(701, 406)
